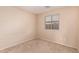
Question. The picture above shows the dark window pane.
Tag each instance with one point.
(55, 26)
(48, 26)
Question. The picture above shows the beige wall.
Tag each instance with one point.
(78, 31)
(67, 34)
(15, 26)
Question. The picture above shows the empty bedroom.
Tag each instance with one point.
(39, 29)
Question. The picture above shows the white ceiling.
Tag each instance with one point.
(38, 9)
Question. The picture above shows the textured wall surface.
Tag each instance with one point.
(67, 33)
(15, 26)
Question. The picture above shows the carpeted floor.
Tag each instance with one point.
(39, 46)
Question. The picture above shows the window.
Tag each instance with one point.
(52, 22)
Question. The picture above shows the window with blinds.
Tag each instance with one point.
(52, 22)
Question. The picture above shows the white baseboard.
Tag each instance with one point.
(17, 42)
(43, 38)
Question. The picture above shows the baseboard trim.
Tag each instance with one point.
(57, 43)
(17, 43)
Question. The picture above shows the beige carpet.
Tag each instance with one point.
(41, 46)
